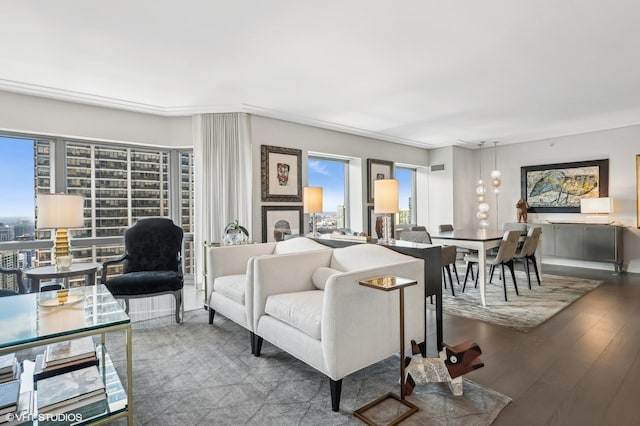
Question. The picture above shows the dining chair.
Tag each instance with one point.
(527, 252)
(460, 252)
(506, 251)
(420, 235)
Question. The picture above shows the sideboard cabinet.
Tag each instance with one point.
(582, 241)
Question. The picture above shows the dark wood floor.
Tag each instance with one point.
(581, 367)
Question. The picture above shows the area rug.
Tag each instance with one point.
(196, 373)
(524, 312)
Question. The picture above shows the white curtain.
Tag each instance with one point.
(222, 153)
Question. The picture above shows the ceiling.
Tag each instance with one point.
(422, 72)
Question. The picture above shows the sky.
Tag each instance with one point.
(16, 178)
(330, 176)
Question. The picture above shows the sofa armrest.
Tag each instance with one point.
(232, 260)
(284, 273)
(360, 325)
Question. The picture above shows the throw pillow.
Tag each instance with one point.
(321, 275)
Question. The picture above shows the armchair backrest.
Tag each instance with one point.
(416, 237)
(153, 244)
(445, 228)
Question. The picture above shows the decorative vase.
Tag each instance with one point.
(233, 237)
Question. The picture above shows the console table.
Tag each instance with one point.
(583, 241)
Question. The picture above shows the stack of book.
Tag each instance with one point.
(8, 368)
(79, 391)
(9, 393)
(65, 356)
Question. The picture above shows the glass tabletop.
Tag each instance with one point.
(37, 316)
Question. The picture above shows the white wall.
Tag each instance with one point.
(34, 115)
(619, 146)
(267, 131)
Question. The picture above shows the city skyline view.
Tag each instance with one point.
(16, 178)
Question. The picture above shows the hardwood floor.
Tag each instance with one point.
(581, 367)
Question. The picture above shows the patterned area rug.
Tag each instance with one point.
(524, 312)
(196, 373)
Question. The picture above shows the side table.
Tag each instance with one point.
(50, 272)
(389, 283)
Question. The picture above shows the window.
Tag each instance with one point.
(331, 175)
(407, 195)
(120, 184)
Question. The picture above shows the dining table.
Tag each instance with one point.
(480, 240)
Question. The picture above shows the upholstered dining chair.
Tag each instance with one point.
(152, 263)
(419, 234)
(506, 251)
(21, 286)
(460, 252)
(527, 253)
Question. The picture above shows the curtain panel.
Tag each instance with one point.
(222, 161)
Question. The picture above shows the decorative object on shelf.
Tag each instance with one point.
(60, 211)
(234, 233)
(521, 207)
(496, 179)
(281, 173)
(598, 209)
(376, 170)
(313, 204)
(481, 191)
(558, 188)
(280, 221)
(386, 203)
(375, 224)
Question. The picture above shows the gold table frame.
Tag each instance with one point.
(390, 283)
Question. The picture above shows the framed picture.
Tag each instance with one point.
(558, 188)
(377, 169)
(375, 224)
(281, 173)
(280, 221)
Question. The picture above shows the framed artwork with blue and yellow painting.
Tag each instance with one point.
(558, 188)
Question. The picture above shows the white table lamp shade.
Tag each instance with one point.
(60, 211)
(385, 196)
(312, 196)
(596, 205)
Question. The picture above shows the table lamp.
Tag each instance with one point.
(385, 202)
(599, 208)
(60, 212)
(312, 200)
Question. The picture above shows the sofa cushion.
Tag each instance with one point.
(322, 275)
(302, 310)
(297, 244)
(363, 256)
(231, 286)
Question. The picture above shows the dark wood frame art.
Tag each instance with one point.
(602, 184)
(267, 209)
(371, 164)
(267, 184)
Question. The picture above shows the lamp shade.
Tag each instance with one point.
(312, 199)
(385, 196)
(60, 211)
(596, 205)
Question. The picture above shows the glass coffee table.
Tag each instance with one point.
(37, 319)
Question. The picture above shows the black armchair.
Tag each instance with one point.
(22, 288)
(152, 263)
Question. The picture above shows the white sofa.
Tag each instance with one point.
(345, 326)
(230, 277)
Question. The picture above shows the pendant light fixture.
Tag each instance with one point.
(481, 191)
(495, 178)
